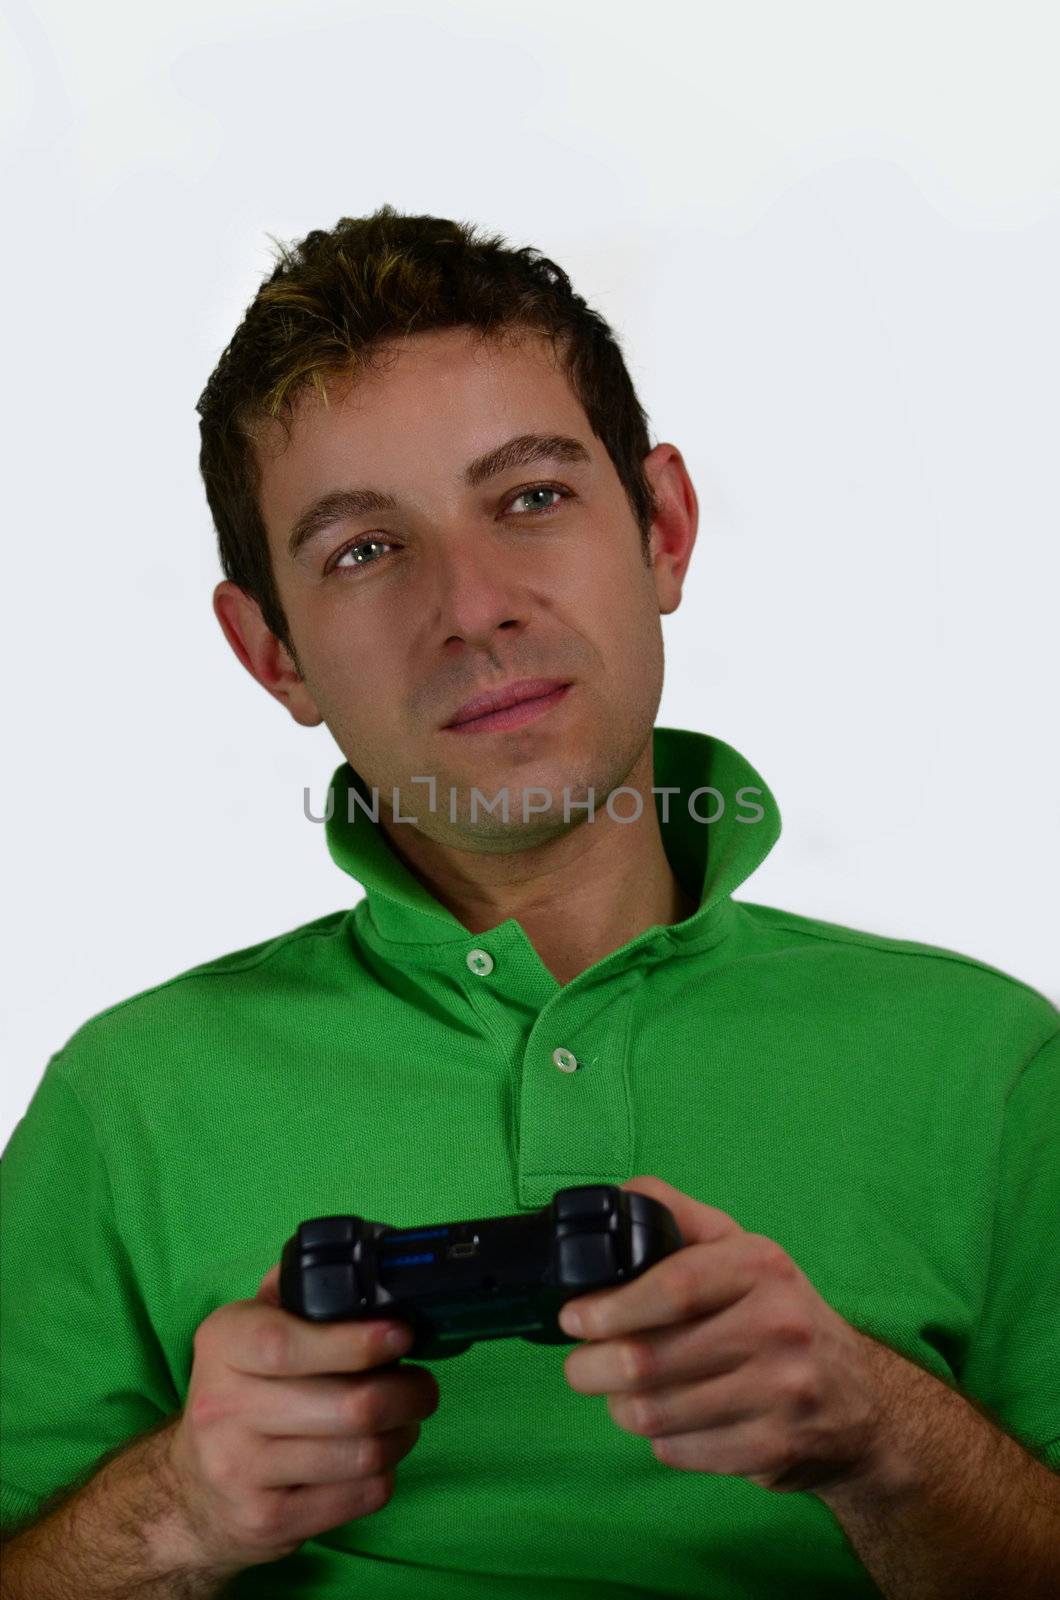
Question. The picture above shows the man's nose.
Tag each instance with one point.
(476, 594)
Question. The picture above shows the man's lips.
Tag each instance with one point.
(500, 699)
(515, 715)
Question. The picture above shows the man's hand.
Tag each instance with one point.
(291, 1427)
(726, 1357)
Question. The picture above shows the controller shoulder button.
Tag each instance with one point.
(588, 1258)
(586, 1200)
(328, 1231)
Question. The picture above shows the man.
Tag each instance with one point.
(435, 496)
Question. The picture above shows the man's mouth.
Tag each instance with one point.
(520, 704)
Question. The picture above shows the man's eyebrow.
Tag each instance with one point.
(519, 451)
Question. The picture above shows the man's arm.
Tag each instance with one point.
(125, 1531)
(952, 1509)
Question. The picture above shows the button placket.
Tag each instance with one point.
(575, 1118)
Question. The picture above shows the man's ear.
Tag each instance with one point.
(263, 655)
(674, 526)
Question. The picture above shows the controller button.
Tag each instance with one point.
(327, 1230)
(332, 1288)
(584, 1200)
(586, 1259)
(480, 962)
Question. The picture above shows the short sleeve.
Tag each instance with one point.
(81, 1370)
(1013, 1359)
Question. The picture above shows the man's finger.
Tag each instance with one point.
(269, 1287)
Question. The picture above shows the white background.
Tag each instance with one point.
(828, 238)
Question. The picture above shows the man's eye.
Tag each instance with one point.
(541, 488)
(340, 562)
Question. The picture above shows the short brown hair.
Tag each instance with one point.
(334, 297)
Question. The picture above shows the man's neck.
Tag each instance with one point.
(578, 897)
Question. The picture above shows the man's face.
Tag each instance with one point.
(398, 616)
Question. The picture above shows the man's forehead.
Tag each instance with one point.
(521, 360)
(520, 353)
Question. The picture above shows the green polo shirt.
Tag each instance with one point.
(888, 1111)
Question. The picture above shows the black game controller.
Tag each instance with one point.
(489, 1278)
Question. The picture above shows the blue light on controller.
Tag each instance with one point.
(410, 1261)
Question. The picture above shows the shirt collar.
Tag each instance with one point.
(712, 857)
